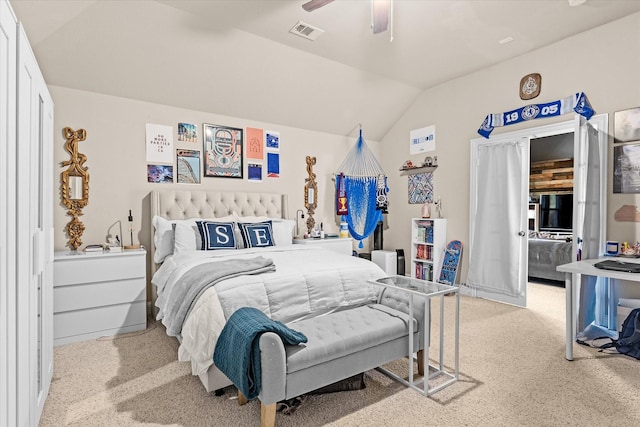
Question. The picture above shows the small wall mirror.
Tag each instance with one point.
(310, 193)
(75, 188)
(310, 196)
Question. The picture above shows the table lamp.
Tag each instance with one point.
(131, 246)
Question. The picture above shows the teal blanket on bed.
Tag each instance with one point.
(237, 352)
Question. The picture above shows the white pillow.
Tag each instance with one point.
(187, 236)
(282, 228)
(162, 238)
(283, 231)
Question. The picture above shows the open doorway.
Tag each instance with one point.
(550, 214)
(499, 204)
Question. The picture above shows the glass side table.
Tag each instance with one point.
(433, 372)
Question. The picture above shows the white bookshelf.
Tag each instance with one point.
(428, 241)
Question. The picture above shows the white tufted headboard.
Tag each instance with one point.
(185, 204)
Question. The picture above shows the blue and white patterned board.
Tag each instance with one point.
(452, 255)
(421, 188)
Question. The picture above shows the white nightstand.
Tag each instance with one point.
(344, 245)
(97, 295)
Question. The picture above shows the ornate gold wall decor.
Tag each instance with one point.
(74, 185)
(310, 193)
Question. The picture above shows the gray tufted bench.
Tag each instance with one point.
(340, 345)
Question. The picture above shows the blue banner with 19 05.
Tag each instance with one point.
(577, 103)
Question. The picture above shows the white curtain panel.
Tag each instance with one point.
(594, 293)
(493, 252)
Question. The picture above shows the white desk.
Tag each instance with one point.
(586, 267)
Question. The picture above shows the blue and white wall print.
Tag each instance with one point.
(421, 188)
(272, 139)
(254, 170)
(273, 165)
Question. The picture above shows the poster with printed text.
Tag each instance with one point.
(422, 140)
(159, 143)
(254, 144)
(272, 139)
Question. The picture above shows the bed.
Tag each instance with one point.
(545, 255)
(300, 281)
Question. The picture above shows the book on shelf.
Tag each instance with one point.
(424, 271)
(429, 235)
(94, 248)
(424, 252)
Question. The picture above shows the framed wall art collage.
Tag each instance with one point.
(225, 150)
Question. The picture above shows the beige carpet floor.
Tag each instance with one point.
(512, 373)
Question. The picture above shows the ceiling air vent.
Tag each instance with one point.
(307, 31)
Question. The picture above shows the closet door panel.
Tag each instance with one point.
(34, 207)
(7, 215)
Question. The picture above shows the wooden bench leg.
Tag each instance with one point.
(242, 399)
(420, 362)
(267, 415)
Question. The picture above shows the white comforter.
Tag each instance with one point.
(307, 282)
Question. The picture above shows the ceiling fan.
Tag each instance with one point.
(381, 13)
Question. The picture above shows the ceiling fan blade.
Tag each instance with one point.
(381, 15)
(315, 4)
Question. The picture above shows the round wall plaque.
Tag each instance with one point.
(530, 86)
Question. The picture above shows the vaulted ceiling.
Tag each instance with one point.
(238, 58)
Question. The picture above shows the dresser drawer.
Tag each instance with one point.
(88, 269)
(75, 297)
(111, 320)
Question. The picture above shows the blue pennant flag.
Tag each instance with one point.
(577, 103)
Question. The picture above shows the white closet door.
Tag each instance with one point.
(7, 215)
(498, 219)
(34, 221)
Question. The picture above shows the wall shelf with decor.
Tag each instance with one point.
(420, 169)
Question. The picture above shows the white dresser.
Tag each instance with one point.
(97, 295)
(344, 245)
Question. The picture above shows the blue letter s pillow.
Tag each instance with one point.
(216, 235)
(256, 234)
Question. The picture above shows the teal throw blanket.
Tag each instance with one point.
(237, 352)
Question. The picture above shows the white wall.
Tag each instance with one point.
(602, 62)
(116, 158)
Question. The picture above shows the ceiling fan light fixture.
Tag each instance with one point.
(315, 4)
(382, 16)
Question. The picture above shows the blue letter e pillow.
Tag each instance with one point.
(256, 234)
(216, 235)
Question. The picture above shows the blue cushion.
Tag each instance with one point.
(216, 235)
(256, 234)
